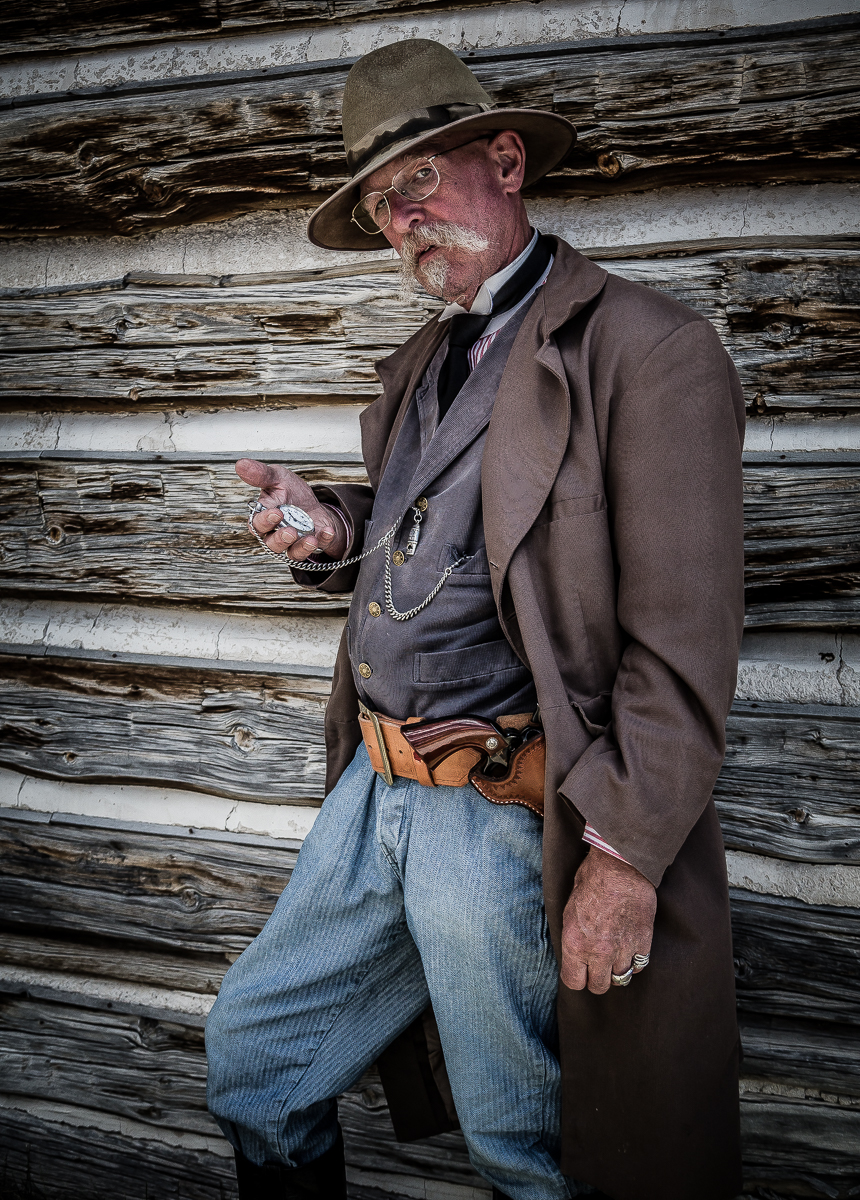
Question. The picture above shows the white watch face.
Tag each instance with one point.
(297, 517)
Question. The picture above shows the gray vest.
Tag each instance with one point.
(451, 658)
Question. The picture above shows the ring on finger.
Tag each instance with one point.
(641, 961)
(623, 979)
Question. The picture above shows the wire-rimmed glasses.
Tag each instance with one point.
(416, 181)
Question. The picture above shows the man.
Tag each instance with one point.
(553, 521)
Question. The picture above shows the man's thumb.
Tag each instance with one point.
(258, 474)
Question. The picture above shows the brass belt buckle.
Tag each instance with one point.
(387, 773)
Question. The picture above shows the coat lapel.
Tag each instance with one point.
(530, 425)
(400, 375)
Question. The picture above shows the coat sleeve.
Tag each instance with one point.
(674, 492)
(355, 500)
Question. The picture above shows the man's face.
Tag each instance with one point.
(468, 228)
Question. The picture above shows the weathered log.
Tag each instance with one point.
(802, 1054)
(157, 529)
(62, 1155)
(243, 736)
(147, 528)
(71, 25)
(801, 531)
(789, 318)
(171, 894)
(796, 960)
(788, 1143)
(107, 959)
(135, 1067)
(788, 786)
(747, 105)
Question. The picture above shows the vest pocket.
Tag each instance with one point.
(474, 662)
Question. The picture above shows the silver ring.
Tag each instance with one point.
(641, 961)
(622, 980)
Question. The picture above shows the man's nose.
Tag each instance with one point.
(406, 214)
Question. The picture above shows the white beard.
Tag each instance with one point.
(432, 277)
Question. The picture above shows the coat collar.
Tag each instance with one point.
(530, 426)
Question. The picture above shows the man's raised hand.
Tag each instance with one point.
(279, 486)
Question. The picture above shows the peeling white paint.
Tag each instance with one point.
(54, 1113)
(497, 25)
(813, 884)
(300, 429)
(314, 429)
(309, 639)
(790, 433)
(108, 991)
(800, 667)
(134, 803)
(788, 1091)
(276, 241)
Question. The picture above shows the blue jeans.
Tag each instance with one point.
(401, 895)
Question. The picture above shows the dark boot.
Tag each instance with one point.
(497, 1195)
(322, 1179)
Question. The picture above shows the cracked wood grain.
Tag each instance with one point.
(789, 318)
(760, 107)
(788, 785)
(171, 531)
(177, 531)
(254, 737)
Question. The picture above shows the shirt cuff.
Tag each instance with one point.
(594, 839)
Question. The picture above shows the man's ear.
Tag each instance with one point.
(507, 152)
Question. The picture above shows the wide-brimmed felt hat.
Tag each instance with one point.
(417, 94)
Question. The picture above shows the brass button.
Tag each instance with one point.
(398, 558)
(421, 503)
(374, 609)
(364, 671)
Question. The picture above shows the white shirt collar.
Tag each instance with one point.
(482, 305)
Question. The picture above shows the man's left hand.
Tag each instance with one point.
(608, 918)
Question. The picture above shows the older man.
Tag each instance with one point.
(547, 574)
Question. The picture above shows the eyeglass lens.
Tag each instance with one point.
(415, 181)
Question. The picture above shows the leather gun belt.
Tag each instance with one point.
(452, 763)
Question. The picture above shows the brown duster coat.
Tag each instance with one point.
(613, 518)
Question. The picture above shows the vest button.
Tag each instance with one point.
(364, 671)
(374, 609)
(421, 503)
(398, 558)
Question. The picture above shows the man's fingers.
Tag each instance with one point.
(599, 975)
(267, 520)
(574, 974)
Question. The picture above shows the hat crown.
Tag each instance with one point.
(388, 85)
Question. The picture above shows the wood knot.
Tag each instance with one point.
(608, 164)
(244, 740)
(56, 535)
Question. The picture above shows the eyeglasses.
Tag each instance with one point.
(415, 181)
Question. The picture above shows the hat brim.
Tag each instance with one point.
(547, 139)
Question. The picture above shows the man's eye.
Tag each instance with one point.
(422, 174)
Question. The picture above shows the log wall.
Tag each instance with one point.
(162, 685)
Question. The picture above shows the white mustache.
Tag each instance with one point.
(444, 234)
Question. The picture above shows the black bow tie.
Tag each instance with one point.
(464, 329)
